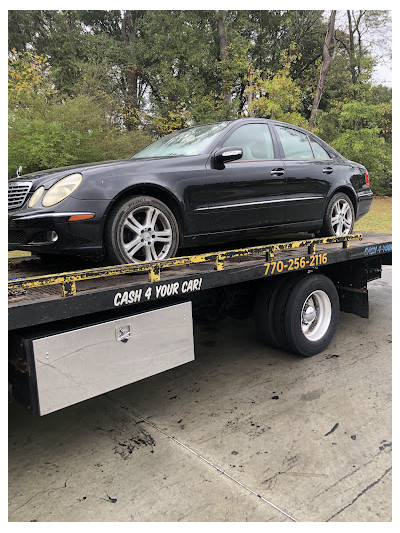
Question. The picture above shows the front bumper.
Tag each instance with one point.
(55, 233)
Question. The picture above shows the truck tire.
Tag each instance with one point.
(279, 309)
(263, 311)
(140, 229)
(311, 315)
(268, 307)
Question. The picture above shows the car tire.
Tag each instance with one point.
(311, 315)
(339, 216)
(139, 229)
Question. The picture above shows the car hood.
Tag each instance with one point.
(53, 174)
(107, 169)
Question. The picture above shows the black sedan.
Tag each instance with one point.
(206, 184)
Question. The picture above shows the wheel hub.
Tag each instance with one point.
(341, 217)
(316, 315)
(146, 234)
(309, 314)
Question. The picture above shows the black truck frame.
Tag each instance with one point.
(287, 287)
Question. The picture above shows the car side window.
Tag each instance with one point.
(319, 152)
(254, 139)
(295, 143)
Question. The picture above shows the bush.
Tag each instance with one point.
(365, 146)
(79, 130)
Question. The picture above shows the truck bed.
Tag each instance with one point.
(39, 293)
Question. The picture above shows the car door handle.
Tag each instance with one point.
(277, 172)
(327, 170)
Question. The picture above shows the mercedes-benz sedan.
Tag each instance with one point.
(212, 183)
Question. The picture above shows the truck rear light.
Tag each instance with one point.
(366, 177)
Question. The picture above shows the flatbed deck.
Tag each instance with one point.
(39, 293)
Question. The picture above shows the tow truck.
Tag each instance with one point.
(80, 333)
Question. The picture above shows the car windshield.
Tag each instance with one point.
(191, 141)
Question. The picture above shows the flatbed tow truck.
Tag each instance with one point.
(80, 333)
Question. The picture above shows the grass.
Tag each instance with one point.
(379, 218)
(18, 253)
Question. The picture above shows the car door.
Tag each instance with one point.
(309, 172)
(249, 192)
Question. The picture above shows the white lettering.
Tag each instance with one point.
(128, 297)
(169, 289)
(192, 285)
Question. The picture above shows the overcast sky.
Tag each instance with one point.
(380, 41)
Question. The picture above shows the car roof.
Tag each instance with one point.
(243, 120)
(248, 119)
(263, 120)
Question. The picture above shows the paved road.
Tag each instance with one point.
(244, 433)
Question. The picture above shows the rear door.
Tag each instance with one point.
(249, 192)
(309, 174)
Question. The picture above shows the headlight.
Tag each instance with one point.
(60, 190)
(36, 197)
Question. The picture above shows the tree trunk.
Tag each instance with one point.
(131, 78)
(221, 26)
(352, 58)
(326, 63)
(352, 51)
(250, 96)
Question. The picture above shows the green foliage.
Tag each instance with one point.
(66, 133)
(277, 95)
(88, 85)
(367, 147)
(361, 131)
(27, 77)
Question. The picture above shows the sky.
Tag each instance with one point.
(382, 75)
(379, 38)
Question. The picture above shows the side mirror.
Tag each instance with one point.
(230, 153)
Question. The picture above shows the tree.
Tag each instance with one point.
(221, 25)
(76, 130)
(159, 71)
(276, 95)
(47, 130)
(326, 63)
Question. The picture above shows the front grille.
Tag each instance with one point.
(17, 193)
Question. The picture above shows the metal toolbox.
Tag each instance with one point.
(76, 365)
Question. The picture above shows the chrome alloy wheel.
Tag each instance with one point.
(146, 234)
(341, 217)
(316, 315)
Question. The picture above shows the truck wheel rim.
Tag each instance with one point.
(316, 315)
(145, 234)
(341, 217)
